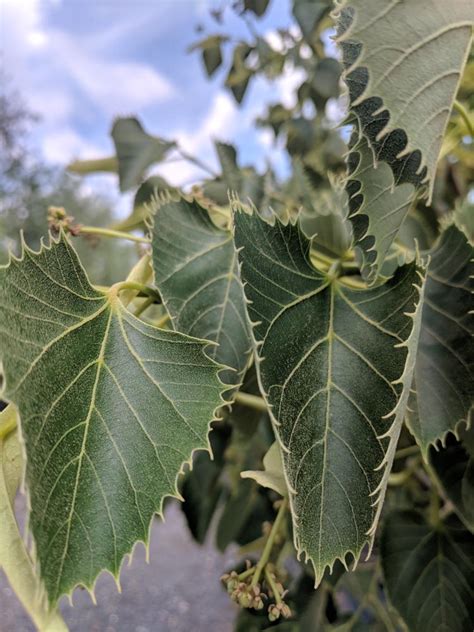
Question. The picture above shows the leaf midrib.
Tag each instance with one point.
(100, 362)
(330, 337)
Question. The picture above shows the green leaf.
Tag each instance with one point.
(111, 408)
(230, 169)
(14, 558)
(454, 468)
(146, 193)
(239, 74)
(202, 488)
(325, 80)
(272, 475)
(404, 67)
(335, 367)
(136, 151)
(377, 207)
(308, 14)
(196, 273)
(211, 48)
(429, 572)
(100, 165)
(444, 380)
(420, 229)
(256, 6)
(323, 215)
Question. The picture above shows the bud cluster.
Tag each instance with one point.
(58, 219)
(249, 594)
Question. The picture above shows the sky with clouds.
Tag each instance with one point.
(80, 63)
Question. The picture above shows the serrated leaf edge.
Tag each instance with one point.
(393, 432)
(165, 197)
(42, 595)
(339, 6)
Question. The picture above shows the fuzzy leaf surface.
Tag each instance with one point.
(378, 207)
(197, 275)
(444, 377)
(429, 573)
(110, 407)
(405, 68)
(336, 380)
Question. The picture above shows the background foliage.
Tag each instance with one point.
(421, 562)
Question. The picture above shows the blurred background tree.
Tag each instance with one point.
(28, 187)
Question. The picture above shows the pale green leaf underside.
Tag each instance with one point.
(196, 272)
(378, 207)
(414, 53)
(272, 474)
(429, 574)
(330, 368)
(14, 559)
(444, 377)
(110, 409)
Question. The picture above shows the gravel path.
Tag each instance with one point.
(178, 591)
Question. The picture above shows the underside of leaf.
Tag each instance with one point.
(335, 367)
(403, 63)
(111, 409)
(443, 395)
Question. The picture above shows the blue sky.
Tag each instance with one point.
(79, 63)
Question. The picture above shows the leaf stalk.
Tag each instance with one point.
(8, 421)
(114, 234)
(251, 401)
(269, 543)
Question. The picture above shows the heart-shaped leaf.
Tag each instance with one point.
(111, 409)
(335, 367)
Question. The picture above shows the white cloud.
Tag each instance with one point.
(112, 86)
(220, 123)
(64, 145)
(60, 75)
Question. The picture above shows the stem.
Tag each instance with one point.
(269, 543)
(138, 287)
(8, 421)
(162, 321)
(273, 586)
(434, 507)
(196, 162)
(246, 573)
(461, 110)
(411, 450)
(251, 401)
(145, 305)
(397, 479)
(109, 232)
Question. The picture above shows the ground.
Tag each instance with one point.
(178, 591)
